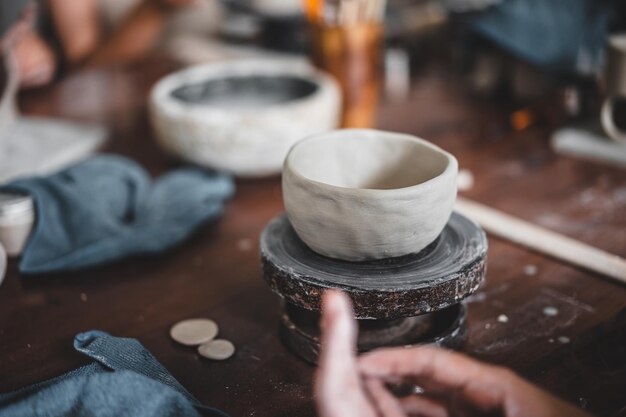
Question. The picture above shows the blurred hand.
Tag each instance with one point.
(338, 385)
(27, 53)
(452, 384)
(181, 3)
(36, 61)
(19, 28)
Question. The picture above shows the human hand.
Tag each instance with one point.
(17, 31)
(341, 389)
(181, 3)
(452, 384)
(35, 59)
(338, 384)
(27, 54)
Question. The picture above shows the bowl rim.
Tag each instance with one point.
(161, 98)
(451, 168)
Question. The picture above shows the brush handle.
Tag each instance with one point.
(544, 241)
(344, 12)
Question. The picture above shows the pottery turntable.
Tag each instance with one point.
(371, 213)
(412, 299)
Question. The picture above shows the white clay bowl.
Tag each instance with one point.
(359, 194)
(242, 116)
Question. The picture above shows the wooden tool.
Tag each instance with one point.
(587, 143)
(543, 240)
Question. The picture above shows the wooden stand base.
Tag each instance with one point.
(407, 300)
(299, 331)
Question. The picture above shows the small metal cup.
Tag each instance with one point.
(615, 74)
(17, 219)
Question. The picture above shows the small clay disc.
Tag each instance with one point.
(218, 350)
(194, 332)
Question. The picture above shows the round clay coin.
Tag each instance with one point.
(194, 332)
(218, 350)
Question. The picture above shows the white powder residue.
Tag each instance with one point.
(530, 270)
(244, 245)
(550, 311)
(464, 180)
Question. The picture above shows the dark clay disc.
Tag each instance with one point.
(441, 275)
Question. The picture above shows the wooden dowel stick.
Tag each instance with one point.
(545, 241)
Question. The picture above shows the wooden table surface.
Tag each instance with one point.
(217, 273)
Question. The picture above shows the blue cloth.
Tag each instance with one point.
(557, 35)
(124, 380)
(107, 208)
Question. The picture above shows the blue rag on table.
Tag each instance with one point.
(107, 208)
(124, 380)
(557, 35)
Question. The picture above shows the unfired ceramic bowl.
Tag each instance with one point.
(242, 116)
(359, 194)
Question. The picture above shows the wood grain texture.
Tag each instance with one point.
(217, 274)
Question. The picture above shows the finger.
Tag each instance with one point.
(468, 383)
(484, 385)
(338, 384)
(384, 401)
(36, 59)
(30, 13)
(419, 405)
(436, 364)
(26, 21)
(339, 330)
(20, 28)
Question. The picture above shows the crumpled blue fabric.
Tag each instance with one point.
(107, 208)
(557, 35)
(124, 380)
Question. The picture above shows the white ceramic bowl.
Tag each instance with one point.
(242, 116)
(358, 194)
